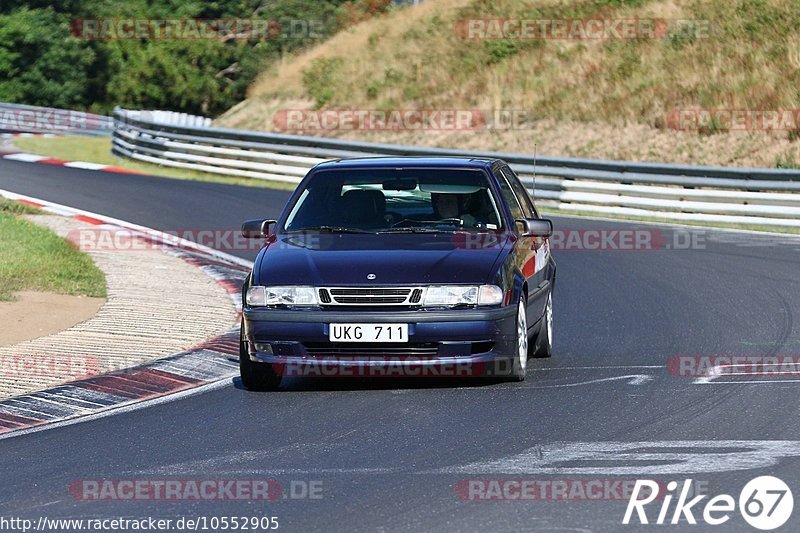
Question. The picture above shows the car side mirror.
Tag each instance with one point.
(534, 227)
(257, 228)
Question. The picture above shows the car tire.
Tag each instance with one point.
(255, 376)
(543, 346)
(521, 356)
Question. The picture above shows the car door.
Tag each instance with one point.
(534, 252)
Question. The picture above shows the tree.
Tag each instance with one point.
(40, 62)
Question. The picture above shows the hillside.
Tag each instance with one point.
(610, 98)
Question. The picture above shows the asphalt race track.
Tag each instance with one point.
(396, 454)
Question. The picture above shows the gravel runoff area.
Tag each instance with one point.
(157, 305)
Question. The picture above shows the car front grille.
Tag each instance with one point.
(327, 349)
(377, 296)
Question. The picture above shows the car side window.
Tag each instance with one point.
(521, 192)
(509, 196)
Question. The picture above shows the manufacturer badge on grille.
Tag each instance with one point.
(371, 276)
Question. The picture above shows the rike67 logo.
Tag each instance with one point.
(766, 503)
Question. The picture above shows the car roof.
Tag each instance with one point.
(408, 162)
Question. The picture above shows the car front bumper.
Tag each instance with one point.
(457, 343)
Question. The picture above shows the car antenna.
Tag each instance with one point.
(534, 171)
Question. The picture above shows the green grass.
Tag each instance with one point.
(17, 208)
(98, 150)
(35, 258)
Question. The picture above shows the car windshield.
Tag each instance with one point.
(395, 201)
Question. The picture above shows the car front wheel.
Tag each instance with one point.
(521, 356)
(255, 376)
(543, 347)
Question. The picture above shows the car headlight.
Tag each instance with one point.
(452, 295)
(258, 296)
(490, 295)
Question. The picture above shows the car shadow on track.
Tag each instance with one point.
(316, 384)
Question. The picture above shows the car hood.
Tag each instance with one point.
(403, 259)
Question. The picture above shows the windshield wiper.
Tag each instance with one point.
(414, 230)
(331, 229)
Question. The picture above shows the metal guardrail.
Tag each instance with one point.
(19, 118)
(753, 196)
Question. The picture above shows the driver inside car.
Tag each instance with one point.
(450, 207)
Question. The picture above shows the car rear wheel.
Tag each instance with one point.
(255, 376)
(521, 356)
(543, 347)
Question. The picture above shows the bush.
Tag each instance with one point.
(319, 79)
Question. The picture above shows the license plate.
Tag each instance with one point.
(368, 333)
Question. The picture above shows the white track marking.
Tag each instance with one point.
(59, 211)
(638, 458)
(84, 165)
(597, 367)
(633, 379)
(28, 158)
(717, 372)
(752, 382)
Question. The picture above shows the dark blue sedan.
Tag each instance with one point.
(403, 266)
